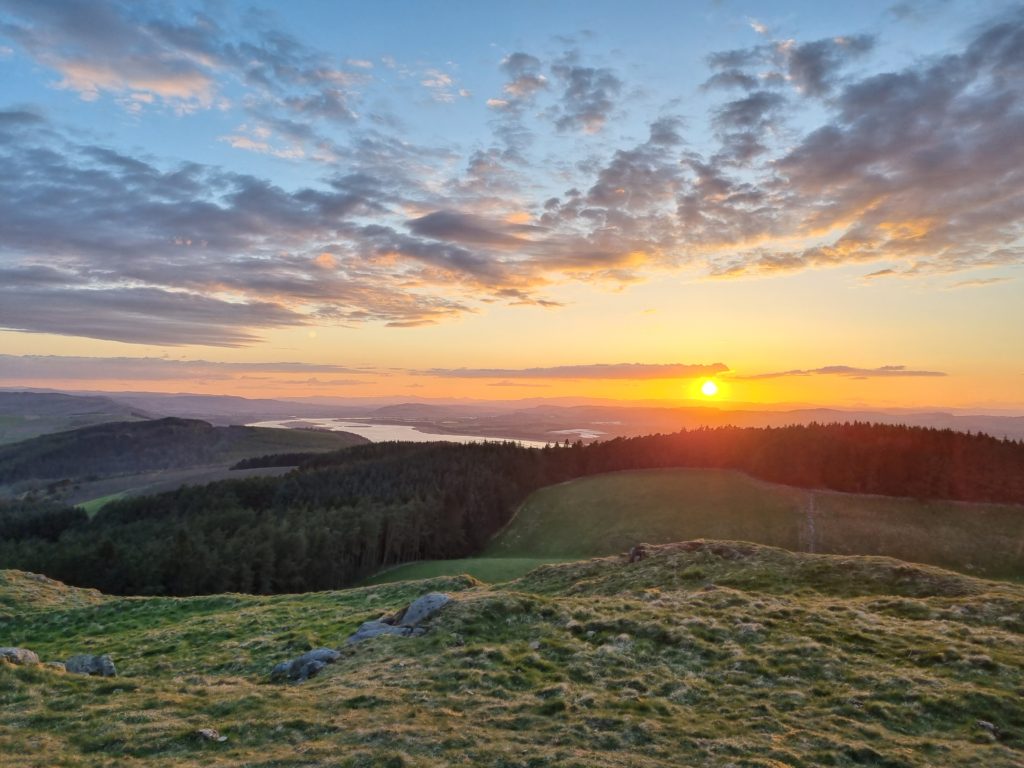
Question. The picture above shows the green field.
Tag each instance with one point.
(714, 654)
(609, 513)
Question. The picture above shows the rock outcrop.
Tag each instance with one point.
(21, 656)
(85, 664)
(405, 623)
(305, 666)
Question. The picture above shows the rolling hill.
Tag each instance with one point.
(24, 415)
(113, 457)
(707, 653)
(609, 513)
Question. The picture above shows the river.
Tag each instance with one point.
(379, 433)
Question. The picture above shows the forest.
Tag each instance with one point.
(343, 515)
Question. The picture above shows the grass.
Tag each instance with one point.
(491, 570)
(711, 653)
(609, 513)
(606, 514)
(95, 505)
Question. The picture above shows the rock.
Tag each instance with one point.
(20, 656)
(378, 627)
(423, 608)
(85, 664)
(210, 734)
(986, 725)
(404, 623)
(56, 666)
(535, 645)
(305, 666)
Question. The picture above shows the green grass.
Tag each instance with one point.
(491, 570)
(606, 514)
(711, 653)
(609, 513)
(94, 505)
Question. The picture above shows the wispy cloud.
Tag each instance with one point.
(846, 371)
(48, 367)
(596, 371)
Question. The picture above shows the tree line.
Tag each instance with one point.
(344, 515)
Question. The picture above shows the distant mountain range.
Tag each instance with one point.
(31, 413)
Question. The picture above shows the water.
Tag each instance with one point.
(379, 433)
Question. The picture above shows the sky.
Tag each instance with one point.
(805, 202)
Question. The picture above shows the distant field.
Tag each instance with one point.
(606, 514)
(491, 570)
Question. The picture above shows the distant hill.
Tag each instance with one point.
(25, 415)
(125, 448)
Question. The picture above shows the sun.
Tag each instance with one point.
(709, 388)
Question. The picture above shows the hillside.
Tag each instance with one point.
(609, 513)
(706, 653)
(24, 415)
(132, 447)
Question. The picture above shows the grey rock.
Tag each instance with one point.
(305, 666)
(422, 608)
(210, 734)
(85, 664)
(378, 627)
(19, 656)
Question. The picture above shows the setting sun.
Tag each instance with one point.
(709, 388)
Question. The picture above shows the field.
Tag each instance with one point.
(610, 513)
(712, 654)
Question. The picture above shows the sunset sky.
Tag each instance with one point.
(809, 202)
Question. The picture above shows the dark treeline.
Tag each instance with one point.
(343, 515)
(275, 460)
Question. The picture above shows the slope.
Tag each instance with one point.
(609, 513)
(706, 653)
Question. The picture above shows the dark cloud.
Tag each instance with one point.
(813, 67)
(848, 371)
(598, 371)
(40, 367)
(588, 95)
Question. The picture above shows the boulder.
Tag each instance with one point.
(377, 627)
(86, 664)
(305, 666)
(19, 656)
(423, 608)
(404, 623)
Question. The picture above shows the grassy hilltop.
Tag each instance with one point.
(707, 653)
(609, 513)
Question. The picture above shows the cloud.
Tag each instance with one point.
(588, 95)
(979, 282)
(43, 367)
(846, 371)
(638, 371)
(921, 166)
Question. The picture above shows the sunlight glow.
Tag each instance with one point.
(709, 388)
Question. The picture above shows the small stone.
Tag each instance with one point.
(535, 645)
(210, 734)
(990, 727)
(56, 666)
(19, 656)
(305, 666)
